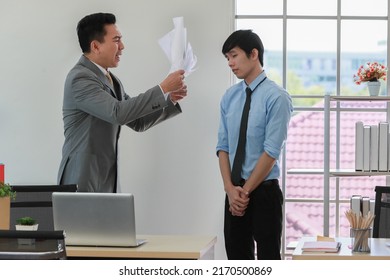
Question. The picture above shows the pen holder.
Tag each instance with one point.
(361, 238)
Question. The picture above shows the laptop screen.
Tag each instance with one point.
(95, 219)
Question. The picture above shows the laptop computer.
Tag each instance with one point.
(96, 219)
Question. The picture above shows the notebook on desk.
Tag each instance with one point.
(96, 219)
(321, 246)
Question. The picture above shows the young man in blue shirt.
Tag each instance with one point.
(253, 207)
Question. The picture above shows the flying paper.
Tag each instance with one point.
(176, 48)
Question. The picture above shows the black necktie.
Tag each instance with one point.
(240, 152)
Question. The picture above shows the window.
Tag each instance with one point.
(313, 48)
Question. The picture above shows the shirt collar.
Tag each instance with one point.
(105, 72)
(256, 81)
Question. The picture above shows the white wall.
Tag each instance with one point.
(171, 169)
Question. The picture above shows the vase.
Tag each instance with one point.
(5, 204)
(374, 87)
(25, 227)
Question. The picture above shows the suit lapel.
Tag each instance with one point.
(113, 89)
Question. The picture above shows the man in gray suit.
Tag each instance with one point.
(95, 106)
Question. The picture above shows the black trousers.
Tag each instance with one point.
(262, 223)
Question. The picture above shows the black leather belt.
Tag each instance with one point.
(243, 181)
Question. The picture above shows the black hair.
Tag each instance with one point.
(92, 27)
(246, 40)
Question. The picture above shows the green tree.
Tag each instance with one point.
(295, 87)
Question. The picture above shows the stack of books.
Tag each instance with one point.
(321, 246)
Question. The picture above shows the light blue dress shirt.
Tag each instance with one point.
(269, 117)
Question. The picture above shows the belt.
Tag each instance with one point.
(243, 181)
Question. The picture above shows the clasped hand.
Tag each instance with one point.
(238, 201)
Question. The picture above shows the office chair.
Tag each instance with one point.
(381, 227)
(36, 201)
(32, 245)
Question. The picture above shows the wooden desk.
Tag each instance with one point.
(380, 250)
(156, 247)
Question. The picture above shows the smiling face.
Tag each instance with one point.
(107, 53)
(244, 67)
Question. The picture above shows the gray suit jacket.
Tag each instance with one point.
(92, 116)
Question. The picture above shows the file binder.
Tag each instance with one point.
(359, 146)
(2, 172)
(355, 203)
(372, 206)
(365, 206)
(374, 148)
(383, 146)
(366, 147)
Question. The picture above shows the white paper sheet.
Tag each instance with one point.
(176, 48)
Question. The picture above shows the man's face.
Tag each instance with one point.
(241, 65)
(110, 50)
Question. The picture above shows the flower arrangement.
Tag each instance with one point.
(371, 71)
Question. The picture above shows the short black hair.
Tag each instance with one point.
(246, 40)
(92, 27)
